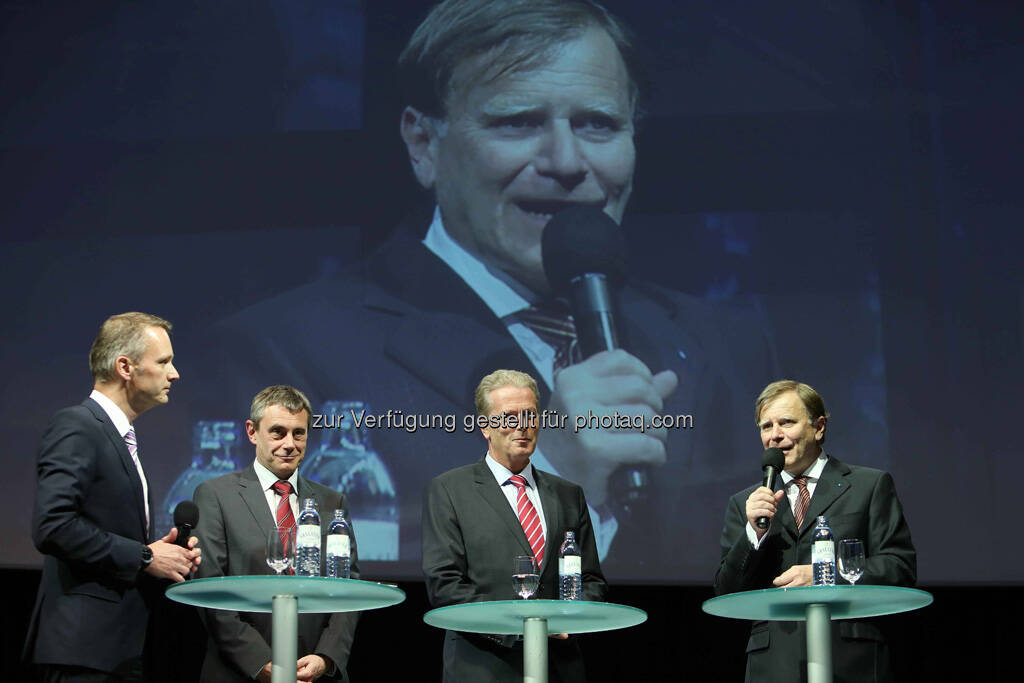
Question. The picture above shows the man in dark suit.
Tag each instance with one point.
(858, 502)
(477, 518)
(237, 513)
(92, 515)
(504, 138)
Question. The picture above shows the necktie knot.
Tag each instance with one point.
(552, 322)
(283, 488)
(801, 483)
(518, 481)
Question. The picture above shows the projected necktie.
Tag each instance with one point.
(529, 518)
(550, 320)
(803, 499)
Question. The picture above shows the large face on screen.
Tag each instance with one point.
(280, 439)
(786, 425)
(514, 438)
(514, 150)
(151, 377)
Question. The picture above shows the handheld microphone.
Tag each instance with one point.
(584, 254)
(186, 517)
(772, 462)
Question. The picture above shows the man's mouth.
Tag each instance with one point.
(544, 209)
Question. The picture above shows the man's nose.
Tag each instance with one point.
(561, 156)
(172, 373)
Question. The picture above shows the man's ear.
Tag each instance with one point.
(250, 430)
(420, 136)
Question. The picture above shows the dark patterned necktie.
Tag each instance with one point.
(803, 499)
(551, 321)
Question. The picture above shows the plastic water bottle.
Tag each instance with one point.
(823, 554)
(339, 547)
(307, 540)
(570, 579)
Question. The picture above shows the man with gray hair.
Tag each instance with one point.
(92, 514)
(238, 511)
(477, 518)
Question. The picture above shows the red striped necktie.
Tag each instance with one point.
(529, 518)
(803, 499)
(285, 518)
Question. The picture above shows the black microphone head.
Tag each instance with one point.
(186, 513)
(773, 457)
(582, 239)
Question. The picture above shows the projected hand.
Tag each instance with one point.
(606, 384)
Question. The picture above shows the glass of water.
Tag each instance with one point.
(851, 559)
(281, 548)
(525, 578)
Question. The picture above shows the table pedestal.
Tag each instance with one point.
(535, 650)
(819, 643)
(284, 636)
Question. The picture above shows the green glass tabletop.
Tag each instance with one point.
(314, 593)
(506, 616)
(845, 602)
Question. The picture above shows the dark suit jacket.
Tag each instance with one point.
(859, 502)
(234, 521)
(470, 535)
(89, 521)
(402, 331)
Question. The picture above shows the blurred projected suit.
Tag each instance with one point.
(402, 331)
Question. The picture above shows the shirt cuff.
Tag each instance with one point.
(752, 536)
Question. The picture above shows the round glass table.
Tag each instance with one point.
(818, 606)
(285, 597)
(534, 619)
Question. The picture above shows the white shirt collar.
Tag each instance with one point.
(502, 473)
(116, 415)
(501, 294)
(267, 478)
(813, 473)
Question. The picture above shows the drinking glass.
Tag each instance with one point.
(851, 559)
(525, 578)
(281, 548)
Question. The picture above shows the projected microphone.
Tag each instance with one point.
(186, 517)
(584, 255)
(772, 462)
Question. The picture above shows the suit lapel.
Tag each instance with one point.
(255, 499)
(831, 487)
(552, 515)
(121, 448)
(488, 489)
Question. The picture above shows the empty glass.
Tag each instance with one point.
(281, 548)
(525, 578)
(851, 559)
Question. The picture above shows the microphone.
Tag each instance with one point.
(186, 517)
(772, 462)
(584, 254)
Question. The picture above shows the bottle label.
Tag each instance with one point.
(823, 551)
(339, 545)
(307, 535)
(570, 564)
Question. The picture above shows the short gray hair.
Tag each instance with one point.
(499, 379)
(289, 398)
(123, 334)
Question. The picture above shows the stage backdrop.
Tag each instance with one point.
(835, 183)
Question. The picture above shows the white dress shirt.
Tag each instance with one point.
(501, 475)
(267, 481)
(122, 425)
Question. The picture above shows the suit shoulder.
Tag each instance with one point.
(221, 483)
(455, 475)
